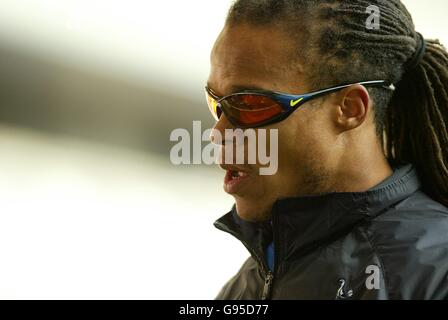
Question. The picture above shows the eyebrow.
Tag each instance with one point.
(244, 88)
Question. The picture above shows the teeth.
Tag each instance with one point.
(236, 174)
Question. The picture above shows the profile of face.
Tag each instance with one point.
(319, 145)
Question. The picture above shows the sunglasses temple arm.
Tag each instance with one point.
(376, 83)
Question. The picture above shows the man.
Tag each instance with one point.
(357, 208)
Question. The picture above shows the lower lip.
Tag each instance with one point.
(234, 185)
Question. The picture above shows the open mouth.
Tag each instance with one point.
(234, 180)
(237, 174)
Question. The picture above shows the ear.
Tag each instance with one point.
(354, 104)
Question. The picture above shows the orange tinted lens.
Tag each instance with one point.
(251, 109)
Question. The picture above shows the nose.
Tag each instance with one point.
(217, 135)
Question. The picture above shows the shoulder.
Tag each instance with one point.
(411, 241)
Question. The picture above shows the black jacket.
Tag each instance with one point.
(389, 242)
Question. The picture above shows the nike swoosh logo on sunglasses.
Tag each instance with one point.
(293, 103)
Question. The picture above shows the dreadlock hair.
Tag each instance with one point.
(411, 122)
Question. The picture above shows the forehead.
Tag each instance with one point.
(252, 57)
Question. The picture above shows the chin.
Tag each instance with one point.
(252, 211)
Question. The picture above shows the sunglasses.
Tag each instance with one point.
(256, 108)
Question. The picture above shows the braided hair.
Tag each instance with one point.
(331, 36)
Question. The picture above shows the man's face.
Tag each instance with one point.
(246, 56)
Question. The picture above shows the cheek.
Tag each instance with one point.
(293, 142)
(301, 142)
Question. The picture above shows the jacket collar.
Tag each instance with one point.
(301, 223)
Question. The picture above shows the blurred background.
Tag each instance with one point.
(90, 205)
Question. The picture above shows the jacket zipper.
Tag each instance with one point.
(267, 286)
(270, 274)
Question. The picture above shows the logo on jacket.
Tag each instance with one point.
(343, 291)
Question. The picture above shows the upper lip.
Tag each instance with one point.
(232, 168)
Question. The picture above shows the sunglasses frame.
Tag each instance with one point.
(288, 102)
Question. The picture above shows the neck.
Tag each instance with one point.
(361, 168)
